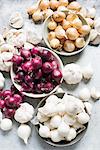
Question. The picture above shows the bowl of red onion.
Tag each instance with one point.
(36, 72)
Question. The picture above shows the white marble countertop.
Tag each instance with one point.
(91, 140)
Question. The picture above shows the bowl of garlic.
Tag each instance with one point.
(61, 119)
(66, 32)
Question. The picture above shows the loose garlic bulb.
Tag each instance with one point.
(55, 121)
(44, 131)
(6, 124)
(80, 42)
(54, 43)
(90, 21)
(91, 13)
(52, 25)
(24, 132)
(65, 24)
(32, 9)
(95, 94)
(60, 32)
(51, 35)
(69, 46)
(55, 137)
(87, 72)
(71, 134)
(93, 34)
(74, 6)
(63, 2)
(63, 129)
(77, 23)
(44, 4)
(54, 4)
(59, 16)
(37, 16)
(72, 33)
(84, 30)
(47, 13)
(71, 17)
(84, 94)
(83, 118)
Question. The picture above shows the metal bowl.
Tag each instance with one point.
(45, 37)
(48, 140)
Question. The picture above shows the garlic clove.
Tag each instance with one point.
(24, 132)
(6, 124)
(84, 30)
(90, 21)
(59, 16)
(91, 13)
(83, 11)
(96, 41)
(63, 129)
(80, 42)
(72, 33)
(55, 136)
(83, 118)
(52, 25)
(51, 35)
(44, 131)
(84, 94)
(71, 134)
(60, 33)
(93, 34)
(95, 94)
(65, 24)
(69, 46)
(88, 107)
(87, 72)
(55, 43)
(77, 23)
(55, 121)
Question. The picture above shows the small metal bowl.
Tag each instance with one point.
(45, 37)
(48, 140)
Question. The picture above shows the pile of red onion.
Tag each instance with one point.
(10, 100)
(37, 70)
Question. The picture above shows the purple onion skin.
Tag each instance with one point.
(48, 87)
(9, 113)
(37, 62)
(57, 75)
(25, 53)
(7, 93)
(35, 51)
(47, 67)
(2, 104)
(27, 66)
(38, 75)
(17, 59)
(47, 56)
(54, 65)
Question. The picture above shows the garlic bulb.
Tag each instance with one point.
(74, 6)
(54, 4)
(0, 116)
(90, 21)
(55, 136)
(83, 118)
(95, 94)
(41, 117)
(60, 32)
(65, 24)
(63, 129)
(33, 36)
(69, 46)
(1, 40)
(87, 72)
(55, 121)
(44, 4)
(72, 33)
(84, 30)
(77, 23)
(24, 113)
(91, 13)
(68, 119)
(88, 107)
(71, 134)
(24, 132)
(6, 124)
(52, 25)
(93, 34)
(72, 73)
(51, 35)
(32, 9)
(16, 20)
(61, 8)
(2, 81)
(84, 94)
(55, 43)
(44, 131)
(59, 16)
(80, 42)
(37, 16)
(63, 2)
(83, 11)
(47, 13)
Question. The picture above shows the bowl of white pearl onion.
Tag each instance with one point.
(61, 119)
(66, 33)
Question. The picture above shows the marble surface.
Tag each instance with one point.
(91, 141)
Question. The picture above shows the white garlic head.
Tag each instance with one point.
(95, 94)
(84, 94)
(71, 134)
(24, 113)
(6, 124)
(44, 131)
(55, 136)
(24, 132)
(55, 121)
(87, 72)
(63, 129)
(72, 73)
(83, 118)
